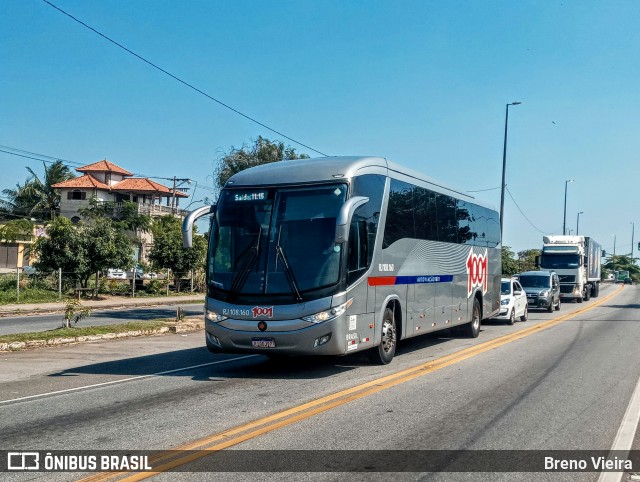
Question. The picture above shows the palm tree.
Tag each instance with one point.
(35, 197)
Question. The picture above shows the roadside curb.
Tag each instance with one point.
(171, 328)
(59, 307)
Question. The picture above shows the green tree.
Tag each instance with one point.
(527, 259)
(124, 215)
(82, 250)
(15, 230)
(106, 247)
(37, 198)
(509, 262)
(263, 151)
(61, 248)
(167, 250)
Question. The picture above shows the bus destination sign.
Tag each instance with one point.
(248, 196)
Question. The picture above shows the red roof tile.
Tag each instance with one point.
(83, 181)
(104, 166)
(144, 185)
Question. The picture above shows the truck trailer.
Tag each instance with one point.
(576, 260)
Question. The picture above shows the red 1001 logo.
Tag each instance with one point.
(262, 311)
(477, 271)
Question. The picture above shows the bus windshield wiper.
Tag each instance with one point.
(288, 272)
(250, 258)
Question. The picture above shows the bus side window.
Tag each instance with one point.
(358, 251)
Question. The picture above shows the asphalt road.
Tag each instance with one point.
(567, 386)
(35, 323)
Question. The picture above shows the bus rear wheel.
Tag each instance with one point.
(383, 353)
(472, 329)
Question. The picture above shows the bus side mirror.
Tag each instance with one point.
(187, 224)
(344, 215)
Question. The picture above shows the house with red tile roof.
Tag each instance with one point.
(109, 182)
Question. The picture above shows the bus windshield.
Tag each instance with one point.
(276, 241)
(560, 261)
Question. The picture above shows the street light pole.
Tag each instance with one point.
(504, 165)
(578, 223)
(614, 244)
(564, 220)
(633, 228)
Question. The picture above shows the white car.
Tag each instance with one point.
(513, 301)
(116, 274)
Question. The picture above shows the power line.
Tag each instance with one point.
(180, 80)
(22, 151)
(523, 214)
(45, 158)
(483, 190)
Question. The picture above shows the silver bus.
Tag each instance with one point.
(336, 255)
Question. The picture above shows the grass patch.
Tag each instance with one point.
(82, 331)
(29, 295)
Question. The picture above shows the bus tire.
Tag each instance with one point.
(383, 353)
(472, 329)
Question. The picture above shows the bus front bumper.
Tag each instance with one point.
(326, 338)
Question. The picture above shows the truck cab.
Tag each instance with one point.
(576, 260)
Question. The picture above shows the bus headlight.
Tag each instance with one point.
(214, 317)
(328, 314)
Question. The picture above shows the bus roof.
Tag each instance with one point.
(321, 169)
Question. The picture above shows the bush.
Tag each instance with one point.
(7, 282)
(156, 287)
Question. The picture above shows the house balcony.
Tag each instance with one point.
(153, 210)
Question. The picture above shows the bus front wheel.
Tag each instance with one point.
(383, 353)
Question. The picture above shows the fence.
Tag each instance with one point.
(30, 286)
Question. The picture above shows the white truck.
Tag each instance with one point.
(576, 260)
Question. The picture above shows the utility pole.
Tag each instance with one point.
(504, 165)
(173, 194)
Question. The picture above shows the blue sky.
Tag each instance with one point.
(423, 83)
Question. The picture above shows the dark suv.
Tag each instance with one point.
(542, 288)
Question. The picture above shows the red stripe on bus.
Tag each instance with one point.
(382, 281)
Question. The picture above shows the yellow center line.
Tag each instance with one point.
(213, 443)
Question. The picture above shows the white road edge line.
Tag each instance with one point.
(626, 433)
(123, 380)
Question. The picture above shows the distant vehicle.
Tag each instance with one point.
(116, 274)
(576, 260)
(29, 270)
(621, 276)
(513, 301)
(150, 275)
(542, 288)
(139, 273)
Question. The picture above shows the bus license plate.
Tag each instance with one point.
(263, 343)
